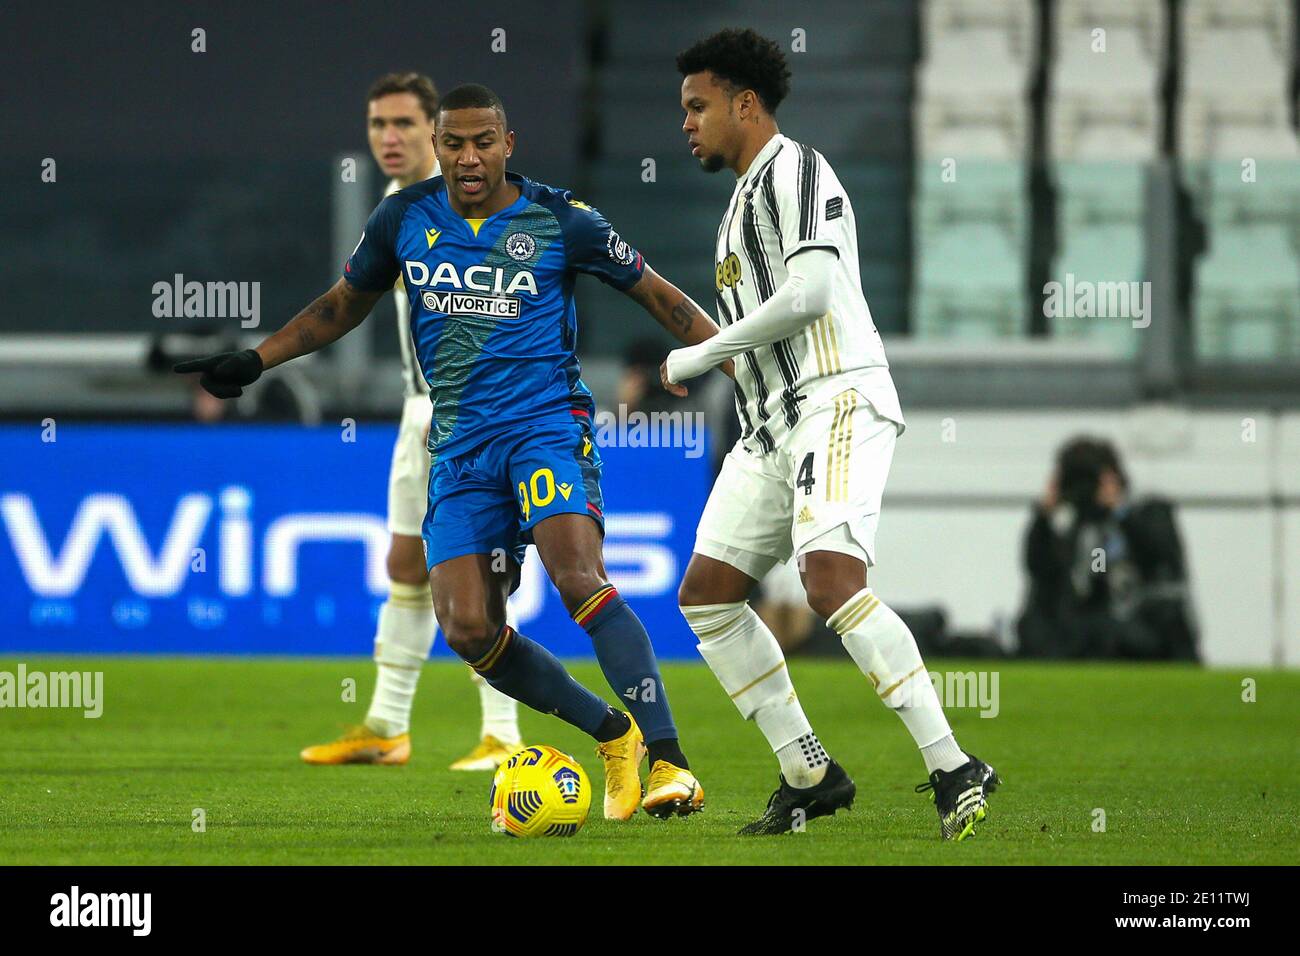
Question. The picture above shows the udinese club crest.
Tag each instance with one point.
(520, 246)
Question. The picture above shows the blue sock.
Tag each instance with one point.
(531, 674)
(628, 661)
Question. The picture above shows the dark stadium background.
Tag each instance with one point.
(223, 166)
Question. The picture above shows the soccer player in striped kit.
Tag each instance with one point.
(820, 417)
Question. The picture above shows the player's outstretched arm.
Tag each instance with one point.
(796, 303)
(675, 311)
(329, 318)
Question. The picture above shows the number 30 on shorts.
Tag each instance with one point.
(538, 492)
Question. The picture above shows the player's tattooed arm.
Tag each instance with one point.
(677, 312)
(329, 318)
(672, 308)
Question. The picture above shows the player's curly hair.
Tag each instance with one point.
(744, 60)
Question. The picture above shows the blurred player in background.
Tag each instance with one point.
(820, 417)
(489, 259)
(400, 124)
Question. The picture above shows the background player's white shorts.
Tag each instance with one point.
(820, 490)
(782, 585)
(408, 477)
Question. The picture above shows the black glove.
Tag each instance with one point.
(226, 373)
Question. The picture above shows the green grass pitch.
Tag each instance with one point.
(1184, 770)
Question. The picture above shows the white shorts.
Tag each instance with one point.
(408, 477)
(820, 490)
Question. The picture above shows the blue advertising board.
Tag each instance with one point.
(256, 539)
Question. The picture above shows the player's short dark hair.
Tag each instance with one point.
(417, 84)
(743, 60)
(473, 96)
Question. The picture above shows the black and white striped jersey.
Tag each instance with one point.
(790, 200)
(413, 382)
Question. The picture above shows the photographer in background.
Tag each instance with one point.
(1107, 574)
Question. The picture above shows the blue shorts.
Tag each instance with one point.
(488, 499)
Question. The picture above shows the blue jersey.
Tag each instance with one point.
(492, 313)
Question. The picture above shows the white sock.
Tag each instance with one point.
(943, 755)
(884, 649)
(803, 762)
(402, 643)
(500, 712)
(745, 657)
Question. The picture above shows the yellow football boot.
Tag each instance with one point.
(488, 755)
(622, 759)
(672, 790)
(361, 745)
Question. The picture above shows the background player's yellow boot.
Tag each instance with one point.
(672, 790)
(488, 755)
(622, 759)
(360, 745)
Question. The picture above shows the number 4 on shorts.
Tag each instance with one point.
(805, 479)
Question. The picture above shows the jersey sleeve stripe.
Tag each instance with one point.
(755, 253)
(769, 198)
(807, 192)
(782, 352)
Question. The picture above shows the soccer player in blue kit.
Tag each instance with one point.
(488, 259)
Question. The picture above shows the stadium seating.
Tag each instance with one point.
(969, 285)
(1235, 74)
(1012, 18)
(1095, 193)
(1247, 304)
(1239, 146)
(973, 191)
(1249, 192)
(971, 91)
(1100, 215)
(1104, 101)
(970, 209)
(970, 225)
(1146, 17)
(1100, 255)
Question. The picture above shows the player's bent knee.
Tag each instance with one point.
(469, 635)
(826, 597)
(691, 593)
(710, 581)
(406, 560)
(828, 587)
(576, 585)
(406, 570)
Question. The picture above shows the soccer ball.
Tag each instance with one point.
(540, 791)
